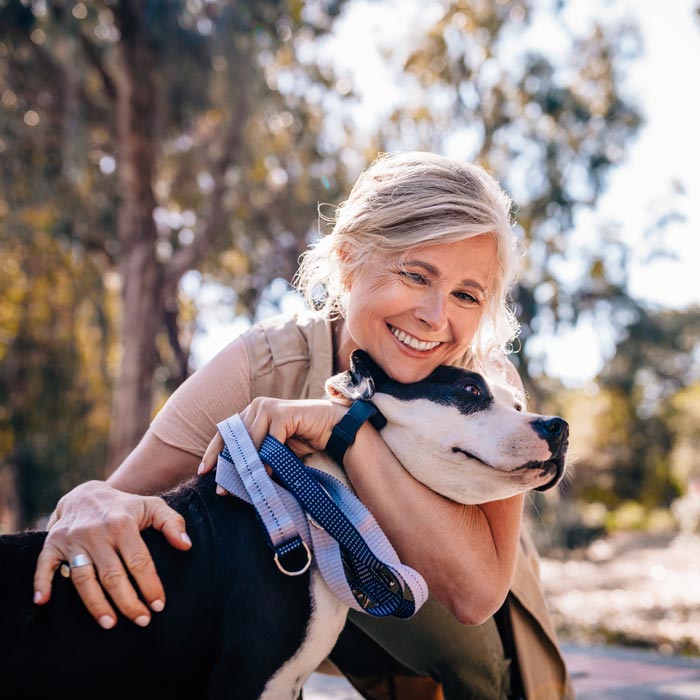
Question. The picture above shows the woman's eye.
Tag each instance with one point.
(415, 277)
(472, 389)
(466, 297)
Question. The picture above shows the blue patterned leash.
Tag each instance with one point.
(238, 470)
(352, 553)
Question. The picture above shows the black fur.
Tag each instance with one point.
(447, 386)
(206, 643)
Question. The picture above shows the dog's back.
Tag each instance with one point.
(230, 615)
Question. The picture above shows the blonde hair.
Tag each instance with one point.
(407, 200)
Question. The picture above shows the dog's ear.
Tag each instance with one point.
(358, 382)
(362, 362)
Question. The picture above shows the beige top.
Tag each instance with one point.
(290, 358)
(282, 357)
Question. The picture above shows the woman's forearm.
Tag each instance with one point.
(466, 553)
(173, 446)
(153, 467)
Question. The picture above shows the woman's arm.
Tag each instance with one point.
(104, 519)
(466, 553)
(153, 466)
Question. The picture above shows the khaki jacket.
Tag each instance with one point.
(291, 358)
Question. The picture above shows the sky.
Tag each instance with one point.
(665, 153)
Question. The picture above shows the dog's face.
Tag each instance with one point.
(461, 438)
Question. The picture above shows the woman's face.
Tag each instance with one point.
(413, 317)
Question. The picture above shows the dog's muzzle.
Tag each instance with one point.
(555, 431)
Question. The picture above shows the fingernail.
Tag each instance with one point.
(107, 622)
(142, 620)
(38, 595)
(220, 491)
(201, 468)
(185, 538)
(157, 605)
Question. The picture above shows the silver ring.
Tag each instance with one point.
(80, 560)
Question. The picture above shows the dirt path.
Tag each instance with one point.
(633, 589)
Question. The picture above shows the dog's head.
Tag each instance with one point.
(462, 438)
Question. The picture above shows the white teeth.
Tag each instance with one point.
(414, 342)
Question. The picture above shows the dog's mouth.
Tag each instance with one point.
(555, 466)
(471, 455)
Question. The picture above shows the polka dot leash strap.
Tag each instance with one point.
(352, 553)
(240, 471)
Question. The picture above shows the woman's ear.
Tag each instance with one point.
(344, 257)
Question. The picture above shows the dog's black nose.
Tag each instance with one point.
(554, 430)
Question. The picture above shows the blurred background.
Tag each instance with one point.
(163, 164)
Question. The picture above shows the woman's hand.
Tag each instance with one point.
(103, 523)
(304, 426)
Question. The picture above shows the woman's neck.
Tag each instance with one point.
(343, 345)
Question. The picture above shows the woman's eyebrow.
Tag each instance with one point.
(432, 270)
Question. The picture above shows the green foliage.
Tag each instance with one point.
(236, 180)
(548, 118)
(54, 376)
(635, 438)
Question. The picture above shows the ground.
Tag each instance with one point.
(635, 590)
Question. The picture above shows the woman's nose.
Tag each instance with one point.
(433, 311)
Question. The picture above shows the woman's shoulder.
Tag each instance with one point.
(294, 350)
(288, 337)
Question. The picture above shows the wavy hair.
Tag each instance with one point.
(407, 200)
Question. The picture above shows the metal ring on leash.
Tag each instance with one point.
(300, 571)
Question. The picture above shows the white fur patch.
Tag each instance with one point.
(424, 436)
(325, 625)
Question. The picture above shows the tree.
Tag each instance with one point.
(54, 350)
(550, 126)
(173, 101)
(654, 365)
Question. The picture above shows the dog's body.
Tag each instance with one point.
(234, 626)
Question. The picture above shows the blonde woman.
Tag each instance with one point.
(416, 271)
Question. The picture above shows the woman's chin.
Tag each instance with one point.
(408, 372)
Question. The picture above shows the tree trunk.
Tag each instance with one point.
(10, 515)
(140, 271)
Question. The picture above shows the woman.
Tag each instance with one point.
(416, 272)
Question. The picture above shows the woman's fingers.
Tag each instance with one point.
(304, 425)
(258, 426)
(84, 579)
(211, 455)
(104, 526)
(112, 572)
(159, 515)
(49, 560)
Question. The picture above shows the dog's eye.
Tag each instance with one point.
(518, 407)
(472, 389)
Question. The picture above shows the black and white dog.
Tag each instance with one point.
(234, 626)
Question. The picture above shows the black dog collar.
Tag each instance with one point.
(345, 431)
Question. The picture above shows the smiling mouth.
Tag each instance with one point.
(411, 342)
